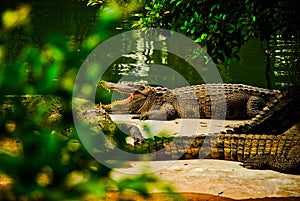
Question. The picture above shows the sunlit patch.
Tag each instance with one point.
(65, 158)
(92, 41)
(2, 53)
(111, 12)
(10, 146)
(10, 126)
(51, 53)
(76, 177)
(73, 145)
(15, 18)
(130, 140)
(5, 181)
(45, 177)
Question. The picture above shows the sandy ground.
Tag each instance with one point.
(216, 177)
(178, 127)
(113, 196)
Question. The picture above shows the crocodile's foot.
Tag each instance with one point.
(257, 162)
(132, 131)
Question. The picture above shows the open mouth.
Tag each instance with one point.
(129, 99)
(124, 101)
(130, 104)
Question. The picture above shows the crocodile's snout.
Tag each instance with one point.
(126, 88)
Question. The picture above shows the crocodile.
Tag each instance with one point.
(275, 152)
(256, 151)
(217, 101)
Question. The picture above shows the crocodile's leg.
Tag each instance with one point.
(165, 112)
(278, 116)
(287, 164)
(255, 104)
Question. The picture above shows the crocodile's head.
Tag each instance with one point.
(139, 100)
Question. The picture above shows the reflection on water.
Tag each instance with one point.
(284, 60)
(137, 63)
(75, 20)
(251, 69)
(150, 64)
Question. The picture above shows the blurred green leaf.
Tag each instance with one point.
(15, 18)
(139, 184)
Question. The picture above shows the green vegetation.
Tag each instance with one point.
(49, 163)
(222, 27)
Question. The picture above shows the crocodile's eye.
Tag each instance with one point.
(138, 92)
(141, 87)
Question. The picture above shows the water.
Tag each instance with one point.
(71, 19)
(250, 70)
(74, 20)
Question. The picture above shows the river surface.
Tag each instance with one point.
(76, 21)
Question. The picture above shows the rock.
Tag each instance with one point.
(216, 177)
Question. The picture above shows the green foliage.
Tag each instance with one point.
(221, 27)
(139, 184)
(48, 164)
(143, 184)
(124, 7)
(51, 164)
